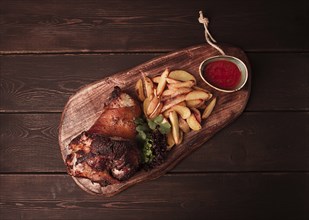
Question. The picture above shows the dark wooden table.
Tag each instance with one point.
(256, 168)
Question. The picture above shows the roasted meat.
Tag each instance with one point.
(117, 118)
(102, 159)
(107, 152)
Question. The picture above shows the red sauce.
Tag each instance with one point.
(222, 74)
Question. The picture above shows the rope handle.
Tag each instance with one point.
(209, 39)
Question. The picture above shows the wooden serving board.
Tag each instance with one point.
(86, 105)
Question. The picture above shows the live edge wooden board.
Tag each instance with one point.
(86, 105)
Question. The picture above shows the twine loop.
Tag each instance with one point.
(209, 39)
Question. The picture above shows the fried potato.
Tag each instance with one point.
(146, 104)
(180, 136)
(149, 88)
(165, 98)
(195, 103)
(197, 114)
(157, 111)
(183, 125)
(139, 90)
(175, 86)
(196, 94)
(170, 80)
(176, 96)
(175, 127)
(183, 111)
(183, 103)
(162, 82)
(176, 92)
(167, 92)
(209, 108)
(153, 105)
(156, 79)
(193, 123)
(200, 89)
(173, 101)
(181, 75)
(170, 141)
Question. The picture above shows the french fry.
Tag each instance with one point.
(148, 86)
(166, 113)
(195, 103)
(176, 92)
(146, 104)
(183, 103)
(193, 123)
(181, 91)
(183, 125)
(175, 127)
(196, 94)
(209, 108)
(157, 111)
(139, 90)
(173, 101)
(170, 80)
(162, 82)
(153, 105)
(167, 92)
(200, 89)
(175, 86)
(156, 79)
(197, 114)
(165, 98)
(170, 141)
(204, 90)
(181, 75)
(180, 136)
(183, 111)
(176, 96)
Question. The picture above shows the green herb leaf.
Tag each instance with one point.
(165, 128)
(158, 119)
(151, 124)
(142, 127)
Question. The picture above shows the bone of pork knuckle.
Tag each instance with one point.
(107, 153)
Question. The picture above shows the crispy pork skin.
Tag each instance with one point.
(117, 118)
(102, 159)
(107, 153)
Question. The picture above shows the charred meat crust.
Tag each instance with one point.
(115, 93)
(106, 153)
(117, 159)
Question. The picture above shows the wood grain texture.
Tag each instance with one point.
(106, 37)
(205, 196)
(104, 26)
(254, 142)
(85, 107)
(28, 83)
(44, 83)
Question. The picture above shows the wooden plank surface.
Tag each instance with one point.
(103, 26)
(249, 144)
(256, 168)
(204, 196)
(29, 83)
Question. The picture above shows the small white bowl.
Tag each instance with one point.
(240, 64)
